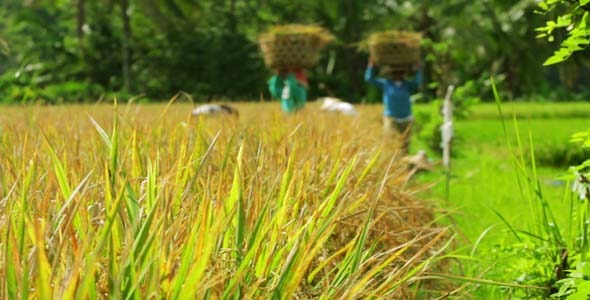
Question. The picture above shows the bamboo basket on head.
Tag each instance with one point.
(293, 46)
(395, 50)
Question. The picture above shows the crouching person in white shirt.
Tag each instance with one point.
(330, 104)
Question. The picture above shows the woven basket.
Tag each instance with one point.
(387, 70)
(293, 46)
(395, 48)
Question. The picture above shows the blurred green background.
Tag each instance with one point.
(81, 50)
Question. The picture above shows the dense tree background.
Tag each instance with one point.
(77, 50)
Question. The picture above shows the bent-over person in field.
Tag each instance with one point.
(397, 89)
(214, 110)
(331, 104)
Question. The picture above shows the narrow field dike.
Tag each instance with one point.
(146, 202)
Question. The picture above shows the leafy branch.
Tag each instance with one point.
(574, 21)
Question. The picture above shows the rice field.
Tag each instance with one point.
(144, 202)
(489, 195)
(484, 176)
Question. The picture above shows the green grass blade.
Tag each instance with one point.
(510, 227)
(10, 262)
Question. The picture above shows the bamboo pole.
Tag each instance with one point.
(447, 137)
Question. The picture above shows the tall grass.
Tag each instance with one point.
(140, 202)
(536, 257)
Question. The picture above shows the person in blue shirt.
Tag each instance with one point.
(290, 87)
(397, 89)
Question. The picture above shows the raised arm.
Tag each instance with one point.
(416, 81)
(370, 77)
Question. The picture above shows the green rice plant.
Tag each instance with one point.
(534, 259)
(574, 283)
(139, 202)
(536, 250)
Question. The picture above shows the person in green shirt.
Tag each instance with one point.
(290, 87)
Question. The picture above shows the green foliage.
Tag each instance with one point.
(528, 262)
(4, 48)
(574, 20)
(484, 182)
(577, 285)
(208, 48)
(28, 87)
(571, 284)
(582, 138)
(560, 155)
(551, 246)
(429, 123)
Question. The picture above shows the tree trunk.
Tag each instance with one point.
(80, 20)
(125, 44)
(232, 21)
(427, 25)
(352, 11)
